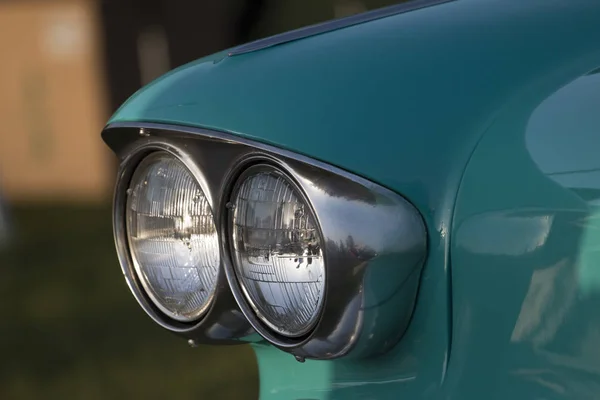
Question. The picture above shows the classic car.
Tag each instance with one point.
(397, 204)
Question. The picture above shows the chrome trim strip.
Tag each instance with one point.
(120, 143)
(332, 25)
(376, 242)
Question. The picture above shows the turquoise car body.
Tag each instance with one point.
(484, 115)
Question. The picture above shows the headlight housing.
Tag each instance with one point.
(349, 252)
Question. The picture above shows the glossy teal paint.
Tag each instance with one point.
(404, 101)
(282, 377)
(526, 251)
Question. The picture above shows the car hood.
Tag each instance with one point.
(401, 100)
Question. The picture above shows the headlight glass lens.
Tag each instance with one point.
(172, 237)
(278, 252)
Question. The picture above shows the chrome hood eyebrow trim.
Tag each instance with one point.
(332, 25)
(375, 242)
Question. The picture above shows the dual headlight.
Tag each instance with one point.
(172, 237)
(220, 238)
(174, 244)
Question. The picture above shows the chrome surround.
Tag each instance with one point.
(376, 241)
(228, 220)
(222, 319)
(138, 267)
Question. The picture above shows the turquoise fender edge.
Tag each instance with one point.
(403, 101)
(526, 250)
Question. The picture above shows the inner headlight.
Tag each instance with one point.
(277, 251)
(172, 237)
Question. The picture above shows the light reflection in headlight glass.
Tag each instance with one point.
(278, 251)
(172, 237)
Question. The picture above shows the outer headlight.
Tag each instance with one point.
(172, 237)
(278, 251)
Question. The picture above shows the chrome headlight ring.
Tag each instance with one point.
(220, 320)
(281, 272)
(375, 243)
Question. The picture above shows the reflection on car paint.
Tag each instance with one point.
(526, 254)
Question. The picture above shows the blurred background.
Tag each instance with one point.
(70, 328)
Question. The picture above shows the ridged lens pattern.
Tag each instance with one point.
(278, 252)
(172, 237)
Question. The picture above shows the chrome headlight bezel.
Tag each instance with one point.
(373, 236)
(220, 309)
(142, 271)
(246, 168)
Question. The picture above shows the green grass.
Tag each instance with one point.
(70, 328)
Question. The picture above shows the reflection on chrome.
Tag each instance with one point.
(321, 263)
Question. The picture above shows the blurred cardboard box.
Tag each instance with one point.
(52, 102)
